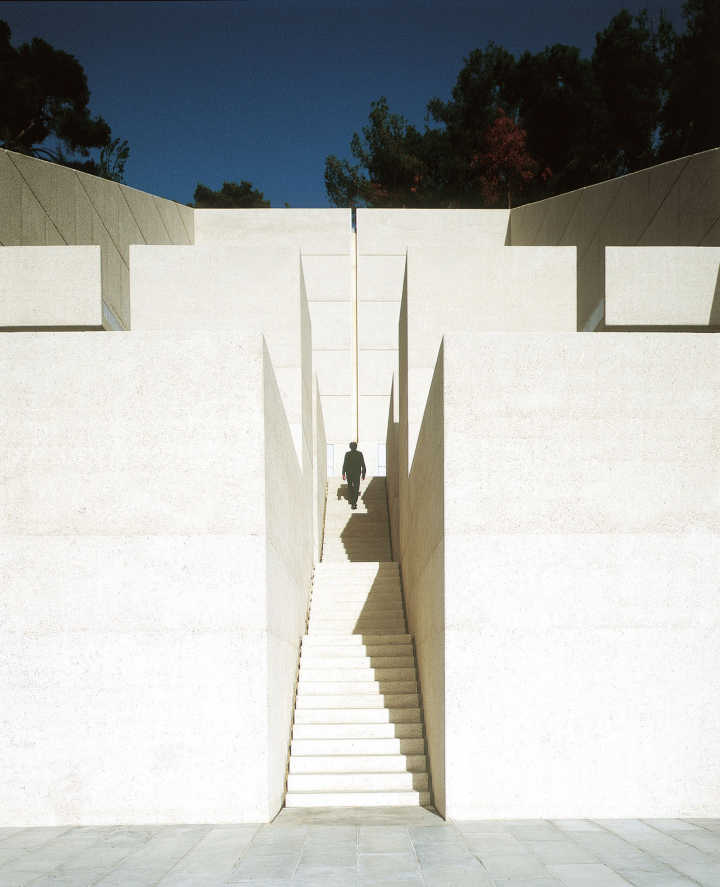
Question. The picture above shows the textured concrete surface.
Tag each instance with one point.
(654, 286)
(384, 237)
(50, 286)
(673, 204)
(422, 529)
(343, 848)
(156, 537)
(581, 574)
(44, 204)
(484, 290)
(325, 240)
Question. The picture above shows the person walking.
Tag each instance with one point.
(353, 468)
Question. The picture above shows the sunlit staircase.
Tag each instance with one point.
(358, 736)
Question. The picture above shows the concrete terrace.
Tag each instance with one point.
(354, 848)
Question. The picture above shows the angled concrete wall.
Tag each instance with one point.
(581, 575)
(674, 204)
(43, 204)
(319, 471)
(423, 573)
(154, 579)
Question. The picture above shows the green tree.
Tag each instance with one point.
(483, 85)
(230, 196)
(44, 96)
(690, 119)
(391, 170)
(629, 74)
(557, 100)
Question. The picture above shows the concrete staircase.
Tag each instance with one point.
(358, 736)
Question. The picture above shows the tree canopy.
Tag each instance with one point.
(44, 110)
(230, 196)
(545, 123)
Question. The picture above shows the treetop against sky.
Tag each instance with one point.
(263, 91)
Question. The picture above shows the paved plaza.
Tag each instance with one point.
(354, 848)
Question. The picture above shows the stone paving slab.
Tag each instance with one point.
(388, 847)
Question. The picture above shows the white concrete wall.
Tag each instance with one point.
(581, 575)
(656, 286)
(393, 466)
(324, 238)
(232, 288)
(50, 286)
(290, 558)
(423, 573)
(485, 290)
(154, 579)
(674, 204)
(319, 471)
(383, 238)
(43, 204)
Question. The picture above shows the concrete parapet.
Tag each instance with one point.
(44, 204)
(671, 286)
(386, 232)
(314, 231)
(673, 204)
(157, 554)
(50, 286)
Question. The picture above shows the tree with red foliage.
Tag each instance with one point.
(504, 165)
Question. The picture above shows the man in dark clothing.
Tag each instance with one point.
(353, 468)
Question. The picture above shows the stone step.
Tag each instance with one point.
(393, 654)
(359, 630)
(370, 622)
(390, 602)
(370, 640)
(361, 568)
(367, 747)
(358, 799)
(348, 591)
(362, 541)
(352, 624)
(360, 544)
(384, 619)
(357, 782)
(309, 675)
(357, 731)
(346, 605)
(338, 578)
(365, 584)
(349, 554)
(355, 688)
(358, 764)
(323, 664)
(361, 700)
(333, 716)
(328, 605)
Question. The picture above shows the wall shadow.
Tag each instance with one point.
(366, 535)
(714, 319)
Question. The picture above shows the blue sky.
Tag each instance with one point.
(264, 90)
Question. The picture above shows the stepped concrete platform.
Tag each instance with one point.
(331, 847)
(358, 735)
